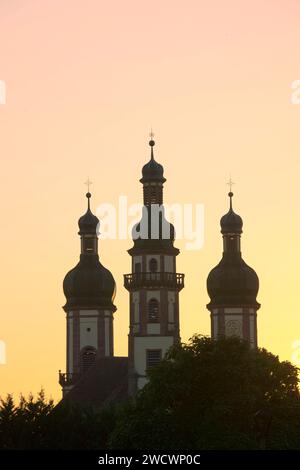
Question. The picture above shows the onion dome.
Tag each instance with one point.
(231, 222)
(88, 223)
(152, 171)
(232, 282)
(89, 284)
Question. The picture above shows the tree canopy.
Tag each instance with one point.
(211, 394)
(205, 394)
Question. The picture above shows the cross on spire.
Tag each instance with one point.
(230, 184)
(230, 194)
(88, 183)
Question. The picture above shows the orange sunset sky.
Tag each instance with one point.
(85, 82)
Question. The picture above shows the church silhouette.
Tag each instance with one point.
(94, 376)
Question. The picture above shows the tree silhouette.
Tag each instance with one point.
(211, 394)
(206, 394)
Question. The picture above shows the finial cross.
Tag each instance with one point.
(230, 184)
(151, 135)
(88, 183)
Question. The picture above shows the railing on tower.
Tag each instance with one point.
(154, 279)
(66, 380)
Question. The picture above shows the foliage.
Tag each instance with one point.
(204, 395)
(22, 425)
(214, 395)
(37, 424)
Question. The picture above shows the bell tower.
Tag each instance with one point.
(233, 286)
(153, 283)
(90, 290)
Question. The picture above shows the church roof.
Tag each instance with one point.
(89, 284)
(232, 282)
(152, 171)
(88, 223)
(105, 383)
(231, 222)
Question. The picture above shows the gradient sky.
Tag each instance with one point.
(85, 82)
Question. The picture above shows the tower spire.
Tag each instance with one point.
(233, 285)
(153, 284)
(89, 289)
(230, 194)
(152, 143)
(88, 194)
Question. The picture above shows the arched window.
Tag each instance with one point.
(153, 310)
(153, 265)
(87, 358)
